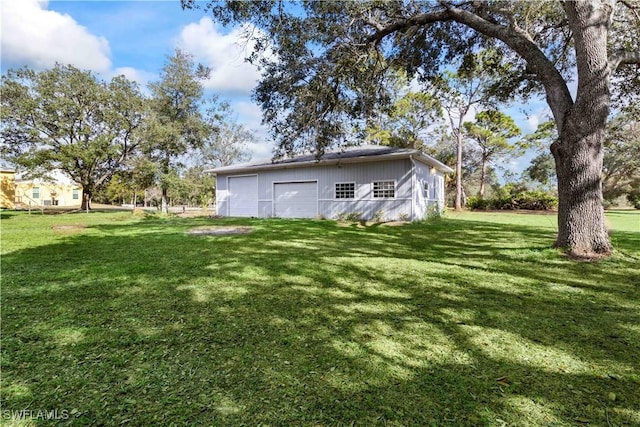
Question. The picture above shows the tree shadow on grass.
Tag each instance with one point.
(307, 323)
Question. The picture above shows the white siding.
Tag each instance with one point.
(435, 195)
(361, 174)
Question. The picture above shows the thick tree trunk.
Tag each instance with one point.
(581, 222)
(86, 200)
(578, 152)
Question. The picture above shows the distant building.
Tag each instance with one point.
(7, 188)
(59, 190)
(366, 181)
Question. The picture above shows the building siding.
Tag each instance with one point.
(361, 174)
(7, 189)
(435, 197)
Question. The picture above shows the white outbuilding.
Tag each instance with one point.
(367, 182)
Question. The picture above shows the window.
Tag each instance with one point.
(345, 190)
(383, 189)
(75, 194)
(35, 193)
(425, 189)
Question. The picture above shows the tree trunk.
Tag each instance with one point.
(86, 200)
(483, 173)
(578, 152)
(164, 207)
(458, 203)
(581, 223)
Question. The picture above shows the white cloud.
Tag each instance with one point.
(223, 53)
(250, 115)
(37, 37)
(533, 121)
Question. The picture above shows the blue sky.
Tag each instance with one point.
(134, 38)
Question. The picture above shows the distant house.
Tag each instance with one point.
(7, 188)
(58, 190)
(367, 181)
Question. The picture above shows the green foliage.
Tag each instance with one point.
(434, 213)
(328, 64)
(477, 203)
(67, 119)
(513, 197)
(175, 123)
(541, 169)
(621, 164)
(407, 121)
(634, 197)
(227, 143)
(193, 188)
(491, 131)
(349, 216)
(353, 216)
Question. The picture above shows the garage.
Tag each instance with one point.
(296, 199)
(243, 196)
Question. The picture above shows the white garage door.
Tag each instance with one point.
(296, 200)
(243, 196)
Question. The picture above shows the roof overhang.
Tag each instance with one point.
(405, 154)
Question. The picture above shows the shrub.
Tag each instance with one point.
(433, 212)
(535, 200)
(354, 216)
(476, 203)
(527, 200)
(634, 199)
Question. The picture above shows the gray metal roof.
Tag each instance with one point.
(365, 153)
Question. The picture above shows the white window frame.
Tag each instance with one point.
(35, 192)
(426, 186)
(335, 191)
(386, 181)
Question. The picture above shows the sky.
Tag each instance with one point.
(134, 38)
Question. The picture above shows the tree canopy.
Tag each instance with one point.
(175, 123)
(491, 131)
(67, 119)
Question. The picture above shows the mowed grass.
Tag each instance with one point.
(471, 320)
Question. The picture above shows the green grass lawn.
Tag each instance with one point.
(471, 320)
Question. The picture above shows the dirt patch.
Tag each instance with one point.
(217, 230)
(394, 223)
(68, 228)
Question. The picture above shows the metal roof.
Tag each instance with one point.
(365, 153)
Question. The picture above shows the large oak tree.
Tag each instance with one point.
(68, 119)
(330, 58)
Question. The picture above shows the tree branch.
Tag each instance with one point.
(403, 24)
(623, 58)
(520, 41)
